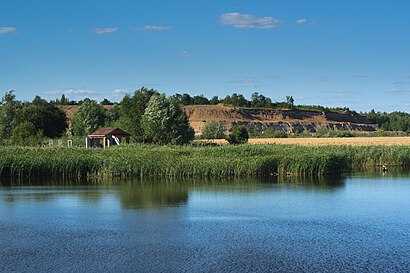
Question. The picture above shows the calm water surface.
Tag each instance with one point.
(355, 224)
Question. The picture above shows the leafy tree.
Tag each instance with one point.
(131, 109)
(45, 117)
(236, 100)
(112, 116)
(186, 99)
(106, 102)
(8, 111)
(165, 123)
(260, 101)
(239, 135)
(26, 133)
(290, 100)
(88, 118)
(213, 130)
(214, 100)
(200, 100)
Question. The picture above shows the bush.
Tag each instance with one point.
(213, 130)
(26, 134)
(345, 134)
(239, 135)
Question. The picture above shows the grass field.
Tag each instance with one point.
(351, 141)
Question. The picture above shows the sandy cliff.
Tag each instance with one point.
(286, 120)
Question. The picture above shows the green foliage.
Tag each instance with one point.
(26, 134)
(131, 109)
(239, 135)
(45, 117)
(236, 100)
(112, 116)
(88, 118)
(213, 130)
(395, 121)
(8, 111)
(277, 134)
(290, 100)
(345, 134)
(187, 161)
(214, 100)
(260, 101)
(165, 123)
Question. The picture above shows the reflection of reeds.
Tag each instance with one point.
(186, 161)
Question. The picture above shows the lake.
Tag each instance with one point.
(356, 223)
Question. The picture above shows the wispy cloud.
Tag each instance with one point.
(7, 30)
(102, 31)
(247, 80)
(400, 83)
(246, 21)
(185, 54)
(301, 21)
(398, 91)
(152, 28)
(70, 92)
(120, 91)
(362, 76)
(324, 78)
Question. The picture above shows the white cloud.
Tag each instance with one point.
(70, 92)
(301, 21)
(152, 28)
(106, 30)
(120, 91)
(185, 54)
(240, 20)
(7, 30)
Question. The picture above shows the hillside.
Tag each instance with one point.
(286, 120)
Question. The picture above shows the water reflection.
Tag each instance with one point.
(142, 194)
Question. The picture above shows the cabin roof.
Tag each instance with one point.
(103, 132)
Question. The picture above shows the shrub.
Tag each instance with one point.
(213, 130)
(239, 135)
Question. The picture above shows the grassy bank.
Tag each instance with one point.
(186, 161)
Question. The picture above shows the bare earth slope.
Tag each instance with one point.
(286, 120)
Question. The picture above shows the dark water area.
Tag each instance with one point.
(356, 223)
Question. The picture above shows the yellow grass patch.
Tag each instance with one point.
(353, 141)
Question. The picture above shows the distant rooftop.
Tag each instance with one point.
(109, 131)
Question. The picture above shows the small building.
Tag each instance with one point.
(107, 137)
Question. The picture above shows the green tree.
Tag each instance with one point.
(260, 101)
(214, 100)
(131, 109)
(8, 111)
(88, 118)
(112, 116)
(200, 100)
(45, 117)
(106, 102)
(213, 130)
(164, 122)
(26, 134)
(290, 100)
(239, 135)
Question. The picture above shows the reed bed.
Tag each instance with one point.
(187, 161)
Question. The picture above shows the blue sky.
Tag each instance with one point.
(333, 53)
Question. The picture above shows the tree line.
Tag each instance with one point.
(148, 115)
